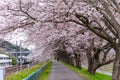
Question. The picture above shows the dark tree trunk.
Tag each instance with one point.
(91, 67)
(69, 58)
(93, 61)
(77, 60)
(116, 67)
(72, 61)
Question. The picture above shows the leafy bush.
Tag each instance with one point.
(14, 60)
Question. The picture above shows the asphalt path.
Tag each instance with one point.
(61, 72)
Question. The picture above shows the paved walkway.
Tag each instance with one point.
(61, 72)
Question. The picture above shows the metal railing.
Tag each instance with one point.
(36, 75)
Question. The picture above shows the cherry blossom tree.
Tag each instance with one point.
(100, 17)
(107, 27)
(45, 21)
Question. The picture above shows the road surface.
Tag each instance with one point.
(61, 72)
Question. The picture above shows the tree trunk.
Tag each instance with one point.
(91, 67)
(90, 62)
(72, 61)
(77, 60)
(78, 63)
(116, 67)
(69, 59)
(93, 61)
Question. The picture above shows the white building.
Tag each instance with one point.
(22, 59)
(5, 60)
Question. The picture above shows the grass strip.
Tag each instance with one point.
(83, 72)
(46, 73)
(24, 73)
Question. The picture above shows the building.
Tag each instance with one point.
(21, 56)
(22, 59)
(15, 50)
(5, 60)
(18, 53)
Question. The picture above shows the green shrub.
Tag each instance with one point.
(14, 60)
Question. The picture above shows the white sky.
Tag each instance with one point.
(16, 37)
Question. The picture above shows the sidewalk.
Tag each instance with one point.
(61, 72)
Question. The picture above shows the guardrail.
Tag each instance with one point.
(35, 75)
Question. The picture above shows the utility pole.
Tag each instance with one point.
(9, 59)
(20, 56)
(17, 57)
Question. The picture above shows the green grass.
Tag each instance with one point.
(24, 73)
(46, 73)
(83, 72)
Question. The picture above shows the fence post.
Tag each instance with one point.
(2, 73)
